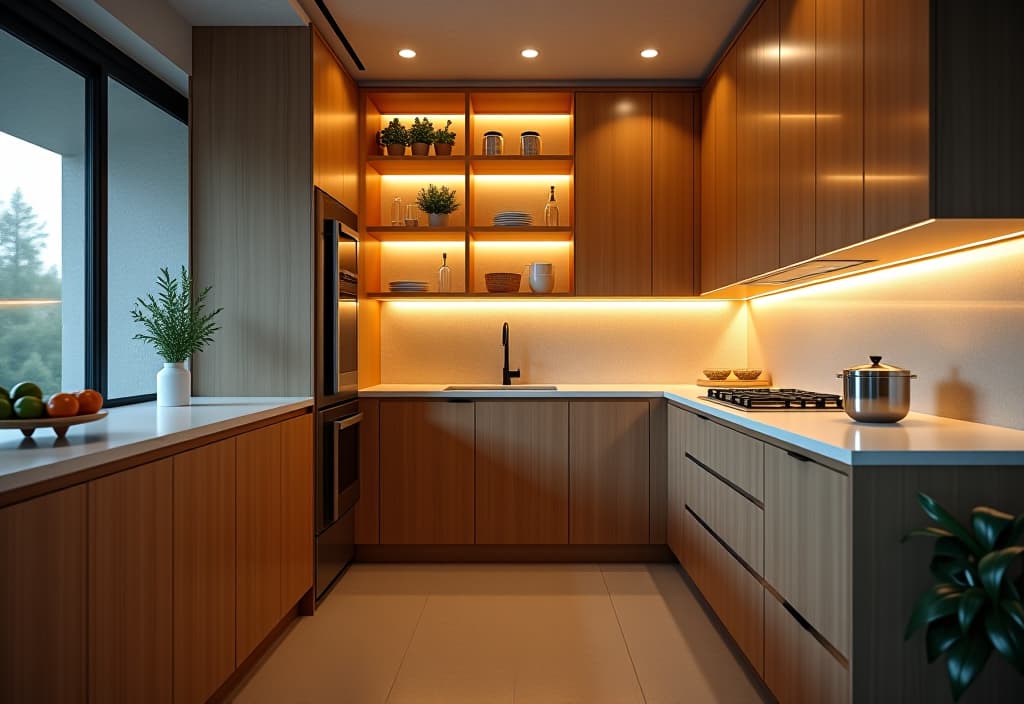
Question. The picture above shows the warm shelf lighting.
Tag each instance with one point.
(407, 53)
(569, 305)
(649, 53)
(530, 53)
(28, 301)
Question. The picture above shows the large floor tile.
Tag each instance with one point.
(678, 653)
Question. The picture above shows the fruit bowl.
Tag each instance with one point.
(60, 426)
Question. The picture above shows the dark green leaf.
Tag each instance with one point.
(1005, 637)
(1017, 531)
(965, 660)
(989, 524)
(971, 603)
(953, 569)
(929, 532)
(940, 636)
(951, 547)
(940, 600)
(948, 522)
(993, 566)
(1015, 611)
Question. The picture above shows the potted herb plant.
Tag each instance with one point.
(444, 140)
(437, 203)
(394, 137)
(421, 134)
(178, 326)
(975, 607)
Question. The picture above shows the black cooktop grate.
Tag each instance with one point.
(776, 399)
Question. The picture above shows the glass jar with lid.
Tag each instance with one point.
(494, 143)
(529, 143)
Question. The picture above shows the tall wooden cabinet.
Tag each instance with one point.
(718, 177)
(272, 115)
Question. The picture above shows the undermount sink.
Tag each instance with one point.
(500, 387)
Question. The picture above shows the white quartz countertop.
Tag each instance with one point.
(917, 440)
(127, 431)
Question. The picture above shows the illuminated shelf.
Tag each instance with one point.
(542, 165)
(417, 165)
(522, 234)
(417, 234)
(404, 296)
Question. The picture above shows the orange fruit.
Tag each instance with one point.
(89, 401)
(62, 405)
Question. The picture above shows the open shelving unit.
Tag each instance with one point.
(484, 185)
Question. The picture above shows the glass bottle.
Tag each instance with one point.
(444, 275)
(551, 211)
(396, 211)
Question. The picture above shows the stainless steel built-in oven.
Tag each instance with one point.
(337, 490)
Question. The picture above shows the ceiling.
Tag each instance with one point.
(477, 40)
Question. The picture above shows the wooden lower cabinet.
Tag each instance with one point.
(204, 570)
(426, 471)
(676, 468)
(735, 457)
(130, 568)
(257, 537)
(737, 520)
(43, 599)
(296, 509)
(609, 472)
(522, 472)
(797, 668)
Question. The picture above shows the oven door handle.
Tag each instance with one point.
(340, 425)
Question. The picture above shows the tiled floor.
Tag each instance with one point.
(503, 633)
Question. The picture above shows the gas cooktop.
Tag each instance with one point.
(775, 399)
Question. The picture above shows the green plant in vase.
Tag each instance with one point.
(437, 203)
(177, 324)
(975, 607)
(421, 134)
(444, 140)
(394, 137)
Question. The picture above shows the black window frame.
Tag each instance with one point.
(49, 29)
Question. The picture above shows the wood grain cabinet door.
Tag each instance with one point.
(204, 570)
(426, 468)
(257, 537)
(676, 476)
(797, 668)
(130, 603)
(609, 472)
(673, 193)
(296, 509)
(718, 177)
(612, 177)
(522, 472)
(43, 599)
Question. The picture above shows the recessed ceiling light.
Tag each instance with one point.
(407, 53)
(649, 53)
(530, 53)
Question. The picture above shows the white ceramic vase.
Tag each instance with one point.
(174, 385)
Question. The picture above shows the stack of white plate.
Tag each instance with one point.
(408, 286)
(513, 218)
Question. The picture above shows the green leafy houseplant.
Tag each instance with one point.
(444, 135)
(421, 132)
(975, 607)
(394, 133)
(175, 323)
(440, 201)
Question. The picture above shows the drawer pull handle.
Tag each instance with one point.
(804, 623)
(701, 417)
(459, 400)
(798, 457)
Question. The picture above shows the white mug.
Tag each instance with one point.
(542, 277)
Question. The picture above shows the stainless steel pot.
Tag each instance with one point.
(876, 392)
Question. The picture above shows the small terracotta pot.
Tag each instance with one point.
(420, 149)
(437, 219)
(396, 150)
(442, 149)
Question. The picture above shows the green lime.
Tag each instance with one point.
(5, 409)
(26, 388)
(4, 393)
(29, 407)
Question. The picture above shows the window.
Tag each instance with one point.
(93, 202)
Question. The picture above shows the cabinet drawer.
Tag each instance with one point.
(733, 455)
(807, 541)
(797, 668)
(736, 596)
(736, 519)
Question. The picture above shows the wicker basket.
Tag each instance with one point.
(502, 282)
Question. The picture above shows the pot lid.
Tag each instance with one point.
(876, 368)
(492, 133)
(530, 133)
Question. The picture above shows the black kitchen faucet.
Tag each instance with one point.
(507, 375)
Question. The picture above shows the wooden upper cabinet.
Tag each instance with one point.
(426, 471)
(839, 136)
(673, 193)
(296, 509)
(130, 604)
(718, 190)
(613, 194)
(609, 472)
(896, 108)
(43, 599)
(335, 127)
(204, 570)
(796, 130)
(757, 143)
(522, 472)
